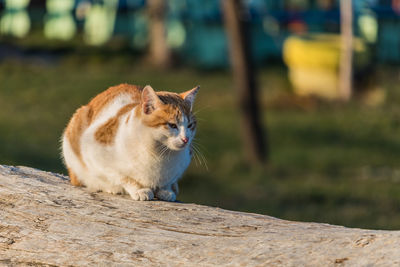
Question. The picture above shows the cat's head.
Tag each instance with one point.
(170, 116)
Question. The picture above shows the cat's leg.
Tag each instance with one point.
(114, 190)
(139, 193)
(167, 193)
(175, 188)
(136, 190)
(97, 183)
(107, 183)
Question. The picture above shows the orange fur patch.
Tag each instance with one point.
(74, 178)
(105, 134)
(162, 116)
(103, 99)
(78, 123)
(85, 115)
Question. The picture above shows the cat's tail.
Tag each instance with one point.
(74, 178)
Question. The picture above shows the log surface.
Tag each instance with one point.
(44, 221)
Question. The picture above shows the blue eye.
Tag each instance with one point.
(172, 125)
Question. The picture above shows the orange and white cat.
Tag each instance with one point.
(131, 140)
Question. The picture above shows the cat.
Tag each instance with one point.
(131, 140)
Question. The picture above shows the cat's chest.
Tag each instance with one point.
(160, 170)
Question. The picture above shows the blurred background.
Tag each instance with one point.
(303, 125)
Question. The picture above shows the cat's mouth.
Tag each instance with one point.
(178, 145)
(181, 146)
(163, 148)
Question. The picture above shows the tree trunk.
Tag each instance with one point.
(160, 54)
(238, 31)
(44, 221)
(346, 57)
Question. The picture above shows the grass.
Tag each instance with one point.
(330, 163)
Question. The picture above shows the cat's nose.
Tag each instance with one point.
(185, 140)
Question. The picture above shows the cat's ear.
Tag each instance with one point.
(150, 100)
(190, 95)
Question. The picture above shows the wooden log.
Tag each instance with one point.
(44, 221)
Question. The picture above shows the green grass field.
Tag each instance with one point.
(330, 163)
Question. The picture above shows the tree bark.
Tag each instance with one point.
(160, 54)
(44, 221)
(238, 31)
(346, 57)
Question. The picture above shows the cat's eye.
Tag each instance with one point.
(190, 125)
(172, 125)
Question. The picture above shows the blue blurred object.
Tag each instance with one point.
(388, 40)
(195, 29)
(206, 46)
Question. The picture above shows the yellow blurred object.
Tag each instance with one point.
(15, 20)
(60, 27)
(319, 82)
(55, 6)
(16, 24)
(368, 25)
(313, 62)
(99, 23)
(59, 22)
(16, 4)
(176, 34)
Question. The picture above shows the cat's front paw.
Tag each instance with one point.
(143, 194)
(166, 195)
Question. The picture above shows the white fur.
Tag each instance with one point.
(133, 154)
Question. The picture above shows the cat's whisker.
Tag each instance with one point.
(196, 158)
(199, 155)
(199, 145)
(168, 154)
(202, 160)
(164, 151)
(199, 159)
(202, 155)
